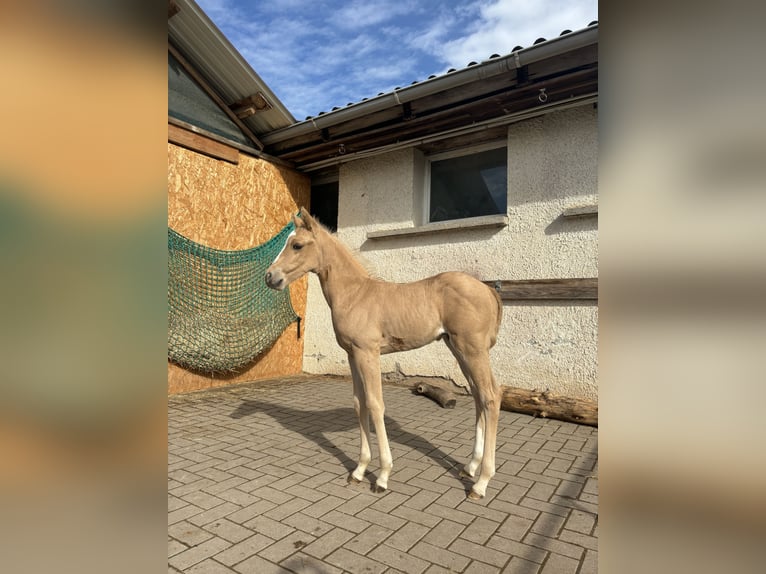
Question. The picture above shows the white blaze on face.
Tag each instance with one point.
(283, 247)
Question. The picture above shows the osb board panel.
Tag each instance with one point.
(229, 206)
(233, 207)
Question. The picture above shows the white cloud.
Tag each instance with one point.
(504, 24)
(432, 38)
(363, 13)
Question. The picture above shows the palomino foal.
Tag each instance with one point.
(371, 317)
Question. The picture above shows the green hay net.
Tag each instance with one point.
(221, 314)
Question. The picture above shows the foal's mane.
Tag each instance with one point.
(359, 260)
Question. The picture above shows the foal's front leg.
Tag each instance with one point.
(367, 365)
(363, 415)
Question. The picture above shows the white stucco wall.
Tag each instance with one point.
(552, 165)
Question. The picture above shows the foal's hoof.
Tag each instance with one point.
(464, 474)
(475, 495)
(377, 489)
(352, 480)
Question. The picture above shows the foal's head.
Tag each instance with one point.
(299, 255)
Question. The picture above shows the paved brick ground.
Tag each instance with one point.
(257, 484)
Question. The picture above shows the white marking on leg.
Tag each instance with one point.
(478, 448)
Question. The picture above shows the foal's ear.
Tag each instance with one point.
(306, 220)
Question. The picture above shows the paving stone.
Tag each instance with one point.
(407, 536)
(358, 503)
(578, 539)
(244, 549)
(350, 523)
(518, 565)
(209, 566)
(183, 513)
(228, 530)
(482, 509)
(308, 524)
(439, 555)
(247, 513)
(372, 516)
(287, 546)
(266, 492)
(305, 564)
(213, 513)
(479, 552)
(443, 534)
(569, 488)
(477, 567)
(189, 534)
(225, 485)
(202, 499)
(436, 569)
(451, 514)
(258, 565)
(538, 505)
(270, 527)
(389, 501)
(558, 564)
(541, 491)
(513, 548)
(238, 497)
(284, 510)
(174, 547)
(352, 562)
(480, 530)
(554, 545)
(515, 527)
(397, 559)
(198, 553)
(174, 503)
(589, 563)
(372, 537)
(328, 542)
(582, 522)
(548, 524)
(412, 515)
(428, 485)
(323, 506)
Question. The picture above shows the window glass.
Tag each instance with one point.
(469, 186)
(189, 103)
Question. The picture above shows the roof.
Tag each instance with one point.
(562, 71)
(480, 99)
(204, 46)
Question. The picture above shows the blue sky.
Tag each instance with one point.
(318, 54)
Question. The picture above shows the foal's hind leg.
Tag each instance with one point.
(470, 468)
(474, 362)
(488, 401)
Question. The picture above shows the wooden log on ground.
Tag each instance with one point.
(547, 405)
(444, 397)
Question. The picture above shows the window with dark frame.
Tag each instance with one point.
(468, 185)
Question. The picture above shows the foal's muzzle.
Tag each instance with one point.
(275, 282)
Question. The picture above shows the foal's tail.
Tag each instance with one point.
(498, 319)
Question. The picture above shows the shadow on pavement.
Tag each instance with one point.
(316, 425)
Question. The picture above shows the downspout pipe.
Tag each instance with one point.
(525, 56)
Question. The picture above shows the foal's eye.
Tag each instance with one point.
(297, 246)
